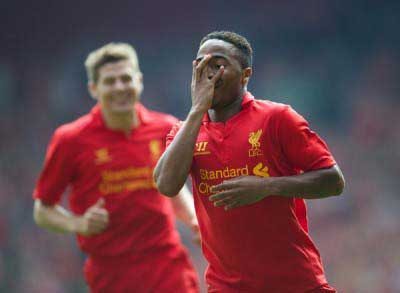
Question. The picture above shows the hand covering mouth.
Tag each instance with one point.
(218, 83)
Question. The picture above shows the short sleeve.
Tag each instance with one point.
(302, 147)
(57, 170)
(168, 123)
(173, 132)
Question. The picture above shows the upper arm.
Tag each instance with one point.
(301, 146)
(57, 170)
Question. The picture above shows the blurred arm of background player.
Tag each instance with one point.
(55, 218)
(95, 220)
(184, 210)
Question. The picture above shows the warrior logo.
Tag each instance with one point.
(102, 156)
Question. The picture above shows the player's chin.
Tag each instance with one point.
(216, 99)
(214, 103)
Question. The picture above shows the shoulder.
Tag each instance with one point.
(273, 111)
(71, 131)
(163, 118)
(158, 119)
(270, 107)
(278, 116)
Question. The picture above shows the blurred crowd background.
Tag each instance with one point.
(335, 62)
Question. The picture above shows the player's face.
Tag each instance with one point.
(230, 86)
(118, 87)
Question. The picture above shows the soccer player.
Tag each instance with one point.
(252, 164)
(107, 158)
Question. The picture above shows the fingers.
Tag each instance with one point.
(99, 217)
(194, 64)
(230, 203)
(224, 202)
(100, 203)
(201, 65)
(95, 228)
(95, 223)
(222, 195)
(218, 75)
(96, 218)
(234, 204)
(227, 184)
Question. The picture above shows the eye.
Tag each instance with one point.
(109, 81)
(126, 78)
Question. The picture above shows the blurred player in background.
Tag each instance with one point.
(252, 163)
(107, 157)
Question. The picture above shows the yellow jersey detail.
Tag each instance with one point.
(260, 170)
(254, 140)
(102, 156)
(155, 149)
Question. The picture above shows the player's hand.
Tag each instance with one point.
(240, 191)
(194, 226)
(94, 221)
(203, 83)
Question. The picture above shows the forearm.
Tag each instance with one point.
(55, 218)
(174, 165)
(310, 185)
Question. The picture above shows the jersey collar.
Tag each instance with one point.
(141, 111)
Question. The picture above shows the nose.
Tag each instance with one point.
(210, 72)
(119, 85)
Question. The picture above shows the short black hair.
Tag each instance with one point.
(240, 42)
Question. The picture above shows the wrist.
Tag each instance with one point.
(76, 225)
(271, 186)
(197, 112)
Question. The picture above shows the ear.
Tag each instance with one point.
(140, 81)
(246, 74)
(92, 88)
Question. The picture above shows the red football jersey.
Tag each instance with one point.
(264, 247)
(98, 162)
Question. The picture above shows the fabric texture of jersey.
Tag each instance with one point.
(264, 247)
(98, 162)
(145, 275)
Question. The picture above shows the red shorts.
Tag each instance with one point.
(228, 288)
(324, 289)
(156, 272)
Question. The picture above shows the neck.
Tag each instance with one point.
(226, 112)
(121, 121)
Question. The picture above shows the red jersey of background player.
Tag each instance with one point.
(98, 162)
(262, 247)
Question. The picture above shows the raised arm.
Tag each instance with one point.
(172, 169)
